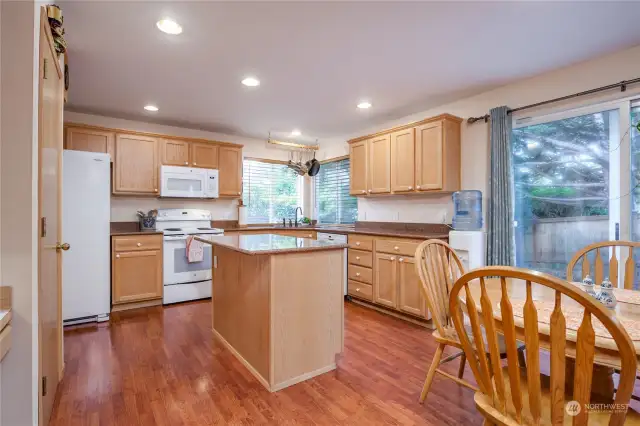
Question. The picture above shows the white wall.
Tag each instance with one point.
(123, 208)
(623, 65)
(18, 210)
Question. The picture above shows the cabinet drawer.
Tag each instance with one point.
(363, 291)
(137, 242)
(360, 258)
(405, 248)
(361, 274)
(361, 242)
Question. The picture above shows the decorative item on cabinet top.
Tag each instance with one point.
(416, 158)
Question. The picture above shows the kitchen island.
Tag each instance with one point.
(278, 304)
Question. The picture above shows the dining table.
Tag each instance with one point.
(607, 358)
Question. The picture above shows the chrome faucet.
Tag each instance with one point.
(297, 215)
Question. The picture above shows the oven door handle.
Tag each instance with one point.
(175, 237)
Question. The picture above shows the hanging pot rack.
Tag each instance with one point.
(293, 144)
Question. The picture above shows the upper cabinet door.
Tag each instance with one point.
(358, 167)
(403, 160)
(136, 164)
(79, 139)
(379, 169)
(174, 152)
(429, 156)
(204, 155)
(230, 168)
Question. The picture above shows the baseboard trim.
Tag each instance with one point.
(136, 305)
(303, 377)
(423, 323)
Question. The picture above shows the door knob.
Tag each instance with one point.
(63, 246)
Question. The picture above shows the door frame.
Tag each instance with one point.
(45, 32)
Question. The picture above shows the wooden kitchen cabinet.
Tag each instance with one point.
(358, 168)
(410, 298)
(230, 167)
(379, 168)
(136, 269)
(385, 284)
(429, 156)
(204, 155)
(82, 139)
(174, 152)
(403, 160)
(136, 165)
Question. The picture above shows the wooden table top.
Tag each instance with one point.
(606, 349)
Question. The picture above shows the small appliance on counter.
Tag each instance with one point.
(182, 280)
(86, 212)
(242, 215)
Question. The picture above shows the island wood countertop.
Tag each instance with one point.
(270, 243)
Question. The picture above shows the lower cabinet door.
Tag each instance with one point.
(385, 288)
(411, 299)
(137, 276)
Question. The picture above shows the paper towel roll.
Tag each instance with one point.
(242, 215)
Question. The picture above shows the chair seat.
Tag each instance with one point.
(484, 404)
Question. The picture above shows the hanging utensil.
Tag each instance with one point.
(314, 168)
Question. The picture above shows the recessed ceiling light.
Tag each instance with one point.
(169, 26)
(364, 105)
(151, 108)
(251, 82)
(296, 133)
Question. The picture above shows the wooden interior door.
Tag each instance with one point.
(230, 168)
(384, 285)
(429, 156)
(410, 297)
(50, 135)
(379, 167)
(204, 155)
(137, 276)
(358, 168)
(81, 139)
(175, 152)
(403, 160)
(136, 165)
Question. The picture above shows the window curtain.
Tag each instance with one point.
(500, 203)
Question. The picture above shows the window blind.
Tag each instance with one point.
(333, 202)
(270, 191)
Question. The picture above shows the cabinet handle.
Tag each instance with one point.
(357, 257)
(396, 248)
(401, 259)
(357, 274)
(117, 256)
(139, 244)
(392, 258)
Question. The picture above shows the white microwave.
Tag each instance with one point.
(188, 182)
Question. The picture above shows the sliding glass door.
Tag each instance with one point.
(573, 183)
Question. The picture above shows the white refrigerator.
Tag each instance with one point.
(86, 213)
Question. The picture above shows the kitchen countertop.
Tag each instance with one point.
(341, 229)
(253, 244)
(129, 228)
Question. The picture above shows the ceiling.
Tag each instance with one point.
(317, 60)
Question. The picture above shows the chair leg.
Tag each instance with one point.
(432, 372)
(463, 361)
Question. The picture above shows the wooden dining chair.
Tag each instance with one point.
(598, 272)
(439, 267)
(531, 402)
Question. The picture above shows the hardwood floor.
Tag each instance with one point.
(162, 366)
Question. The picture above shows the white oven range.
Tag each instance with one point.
(182, 280)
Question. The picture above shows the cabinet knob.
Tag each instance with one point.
(186, 163)
(357, 257)
(392, 258)
(310, 235)
(194, 164)
(396, 248)
(369, 191)
(117, 256)
(238, 192)
(139, 244)
(358, 289)
(364, 192)
(418, 187)
(401, 259)
(357, 274)
(410, 188)
(357, 243)
(156, 190)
